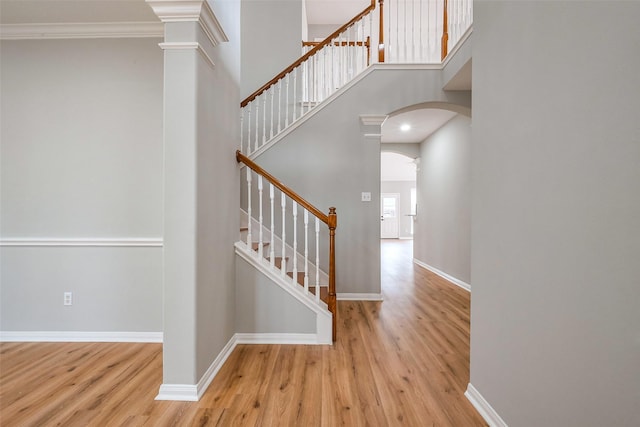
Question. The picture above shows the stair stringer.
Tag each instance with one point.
(323, 317)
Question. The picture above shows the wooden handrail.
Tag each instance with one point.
(241, 158)
(331, 220)
(309, 54)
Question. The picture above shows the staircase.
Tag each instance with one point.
(281, 230)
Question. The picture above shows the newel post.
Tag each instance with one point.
(381, 33)
(445, 33)
(332, 223)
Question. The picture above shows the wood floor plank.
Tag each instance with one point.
(404, 361)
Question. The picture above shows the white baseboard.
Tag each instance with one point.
(79, 336)
(484, 409)
(270, 338)
(343, 296)
(182, 392)
(193, 392)
(457, 282)
(215, 366)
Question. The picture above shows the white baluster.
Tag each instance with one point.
(248, 129)
(295, 88)
(286, 105)
(264, 117)
(413, 31)
(317, 259)
(305, 85)
(295, 242)
(260, 232)
(272, 90)
(421, 49)
(340, 64)
(406, 29)
(272, 244)
(283, 263)
(347, 52)
(306, 251)
(279, 104)
(257, 123)
(249, 238)
(241, 127)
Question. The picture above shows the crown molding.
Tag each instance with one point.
(188, 46)
(93, 30)
(373, 119)
(190, 11)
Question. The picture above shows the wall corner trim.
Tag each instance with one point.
(484, 409)
(345, 296)
(373, 119)
(193, 392)
(190, 11)
(457, 282)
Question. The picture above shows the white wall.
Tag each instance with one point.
(272, 34)
(81, 158)
(442, 227)
(556, 212)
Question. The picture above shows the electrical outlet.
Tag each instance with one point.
(68, 298)
(366, 197)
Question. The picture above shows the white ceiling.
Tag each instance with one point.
(333, 11)
(396, 167)
(73, 11)
(422, 122)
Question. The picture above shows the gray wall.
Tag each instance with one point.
(556, 212)
(403, 188)
(320, 31)
(271, 40)
(264, 307)
(442, 228)
(218, 190)
(81, 158)
(330, 165)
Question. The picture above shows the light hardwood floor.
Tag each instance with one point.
(404, 361)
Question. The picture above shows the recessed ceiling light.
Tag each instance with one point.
(405, 127)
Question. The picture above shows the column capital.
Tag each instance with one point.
(190, 11)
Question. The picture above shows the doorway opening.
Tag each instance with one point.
(397, 195)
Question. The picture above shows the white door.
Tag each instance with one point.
(389, 215)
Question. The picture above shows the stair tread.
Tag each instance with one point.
(277, 261)
(255, 245)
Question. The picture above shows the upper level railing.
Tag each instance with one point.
(283, 251)
(320, 71)
(403, 31)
